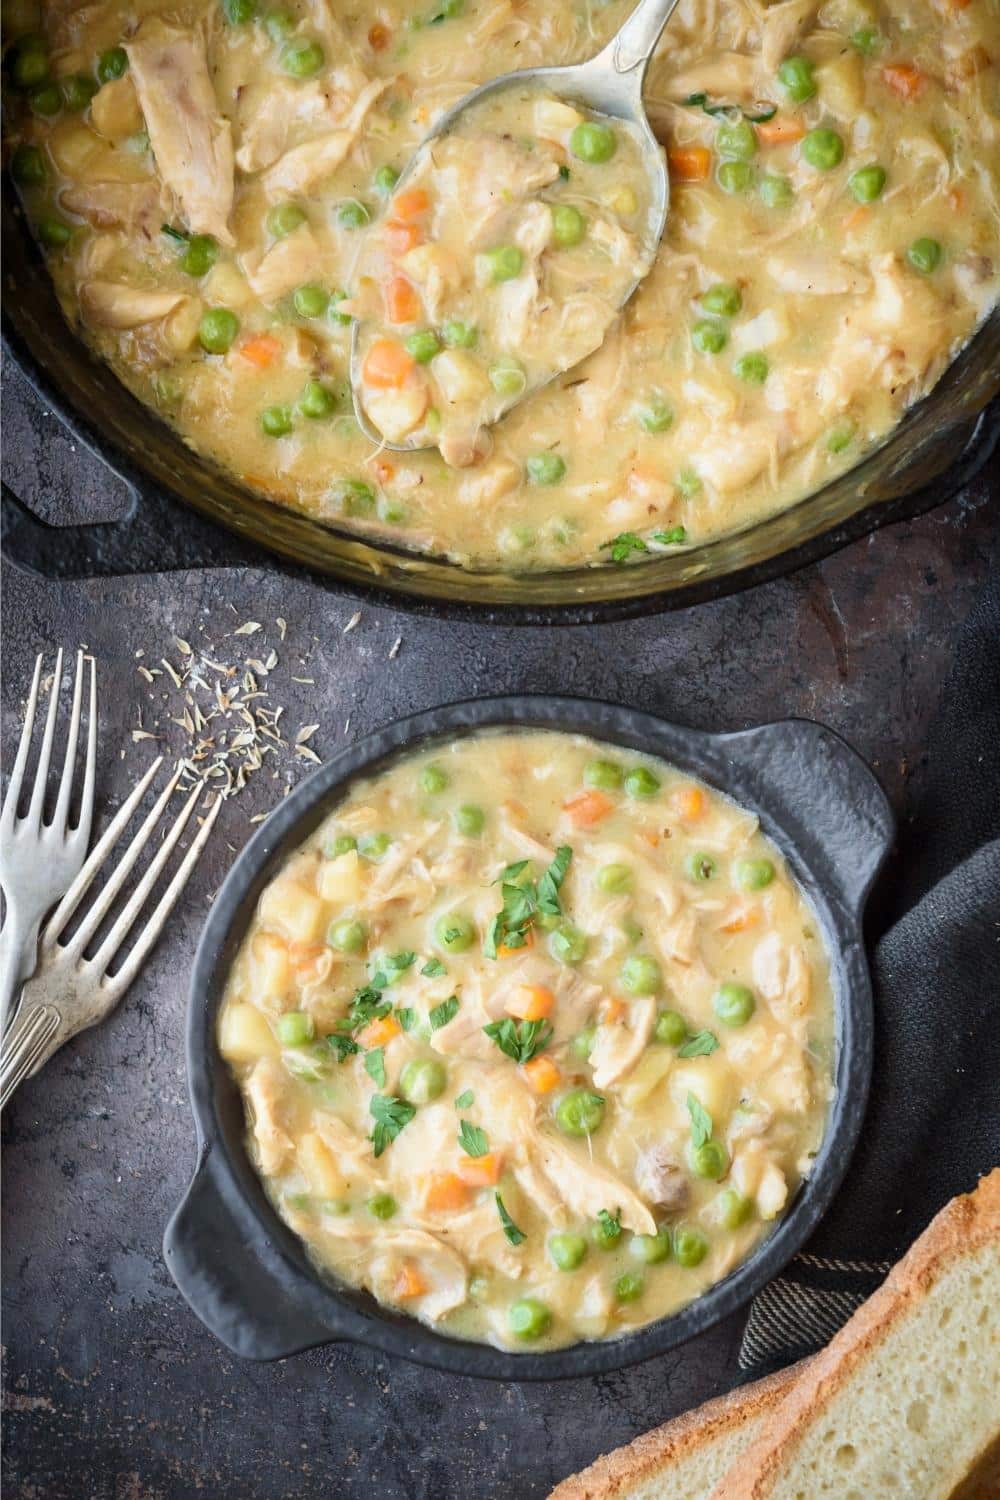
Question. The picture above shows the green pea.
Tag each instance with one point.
(752, 367)
(708, 1160)
(568, 225)
(112, 64)
(200, 255)
(423, 345)
(347, 936)
(777, 192)
(343, 844)
(796, 78)
(641, 975)
(78, 91)
(373, 846)
(655, 415)
(734, 1003)
(385, 179)
(459, 335)
(605, 774)
(46, 100)
(688, 484)
(239, 12)
(392, 511)
(640, 782)
(734, 1209)
(422, 1080)
(823, 149)
(582, 1043)
(924, 255)
(614, 880)
(840, 438)
(279, 24)
(470, 820)
(651, 1249)
(355, 498)
(53, 233)
(699, 867)
(310, 301)
(527, 1318)
(754, 874)
(690, 1246)
(866, 183)
(629, 1287)
(353, 214)
(734, 176)
(317, 400)
(592, 141)
(670, 1028)
(276, 421)
(502, 263)
(708, 337)
(866, 41)
(567, 1250)
(383, 1205)
(736, 140)
(606, 1233)
(295, 1028)
(507, 377)
(545, 468)
(454, 933)
(722, 300)
(433, 779)
(568, 944)
(284, 219)
(27, 166)
(579, 1112)
(334, 315)
(31, 63)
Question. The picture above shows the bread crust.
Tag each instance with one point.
(961, 1228)
(610, 1475)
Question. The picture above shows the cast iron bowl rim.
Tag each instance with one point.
(294, 819)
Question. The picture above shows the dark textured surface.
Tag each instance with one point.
(113, 1390)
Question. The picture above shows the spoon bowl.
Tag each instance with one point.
(608, 84)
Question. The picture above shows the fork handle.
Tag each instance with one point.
(18, 948)
(24, 1046)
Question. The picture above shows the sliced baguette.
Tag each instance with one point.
(683, 1459)
(905, 1401)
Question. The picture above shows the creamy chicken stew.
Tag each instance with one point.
(517, 237)
(832, 241)
(535, 1037)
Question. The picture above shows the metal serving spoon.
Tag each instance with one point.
(609, 84)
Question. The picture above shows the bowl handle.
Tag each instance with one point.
(236, 1285)
(831, 801)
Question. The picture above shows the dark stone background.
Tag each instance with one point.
(113, 1391)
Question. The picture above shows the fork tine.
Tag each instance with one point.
(119, 874)
(137, 900)
(45, 754)
(13, 796)
(96, 858)
(154, 926)
(86, 817)
(60, 816)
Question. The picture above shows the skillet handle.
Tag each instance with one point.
(831, 802)
(232, 1276)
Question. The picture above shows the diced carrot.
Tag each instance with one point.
(529, 942)
(261, 350)
(649, 837)
(612, 1009)
(409, 1283)
(587, 808)
(955, 199)
(379, 1031)
(401, 237)
(748, 917)
(387, 365)
(379, 37)
(402, 305)
(780, 130)
(542, 1074)
(904, 79)
(514, 808)
(857, 217)
(688, 802)
(481, 1171)
(445, 1191)
(383, 470)
(689, 163)
(411, 203)
(530, 1002)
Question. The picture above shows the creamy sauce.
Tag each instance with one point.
(820, 266)
(535, 1037)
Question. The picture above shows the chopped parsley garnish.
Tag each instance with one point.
(472, 1139)
(341, 1045)
(758, 112)
(510, 1229)
(433, 969)
(519, 1039)
(464, 1101)
(672, 538)
(390, 1115)
(548, 886)
(511, 872)
(390, 968)
(624, 545)
(443, 1013)
(611, 1224)
(367, 1005)
(178, 235)
(702, 1044)
(701, 1122)
(523, 900)
(407, 1017)
(375, 1066)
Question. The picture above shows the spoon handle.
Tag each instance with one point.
(633, 46)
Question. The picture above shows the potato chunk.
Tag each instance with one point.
(244, 1035)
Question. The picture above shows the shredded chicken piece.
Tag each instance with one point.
(289, 262)
(137, 207)
(112, 304)
(265, 1089)
(618, 1047)
(586, 1188)
(304, 167)
(660, 1180)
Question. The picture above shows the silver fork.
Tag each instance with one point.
(38, 860)
(70, 992)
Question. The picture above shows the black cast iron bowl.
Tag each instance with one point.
(939, 445)
(244, 1272)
